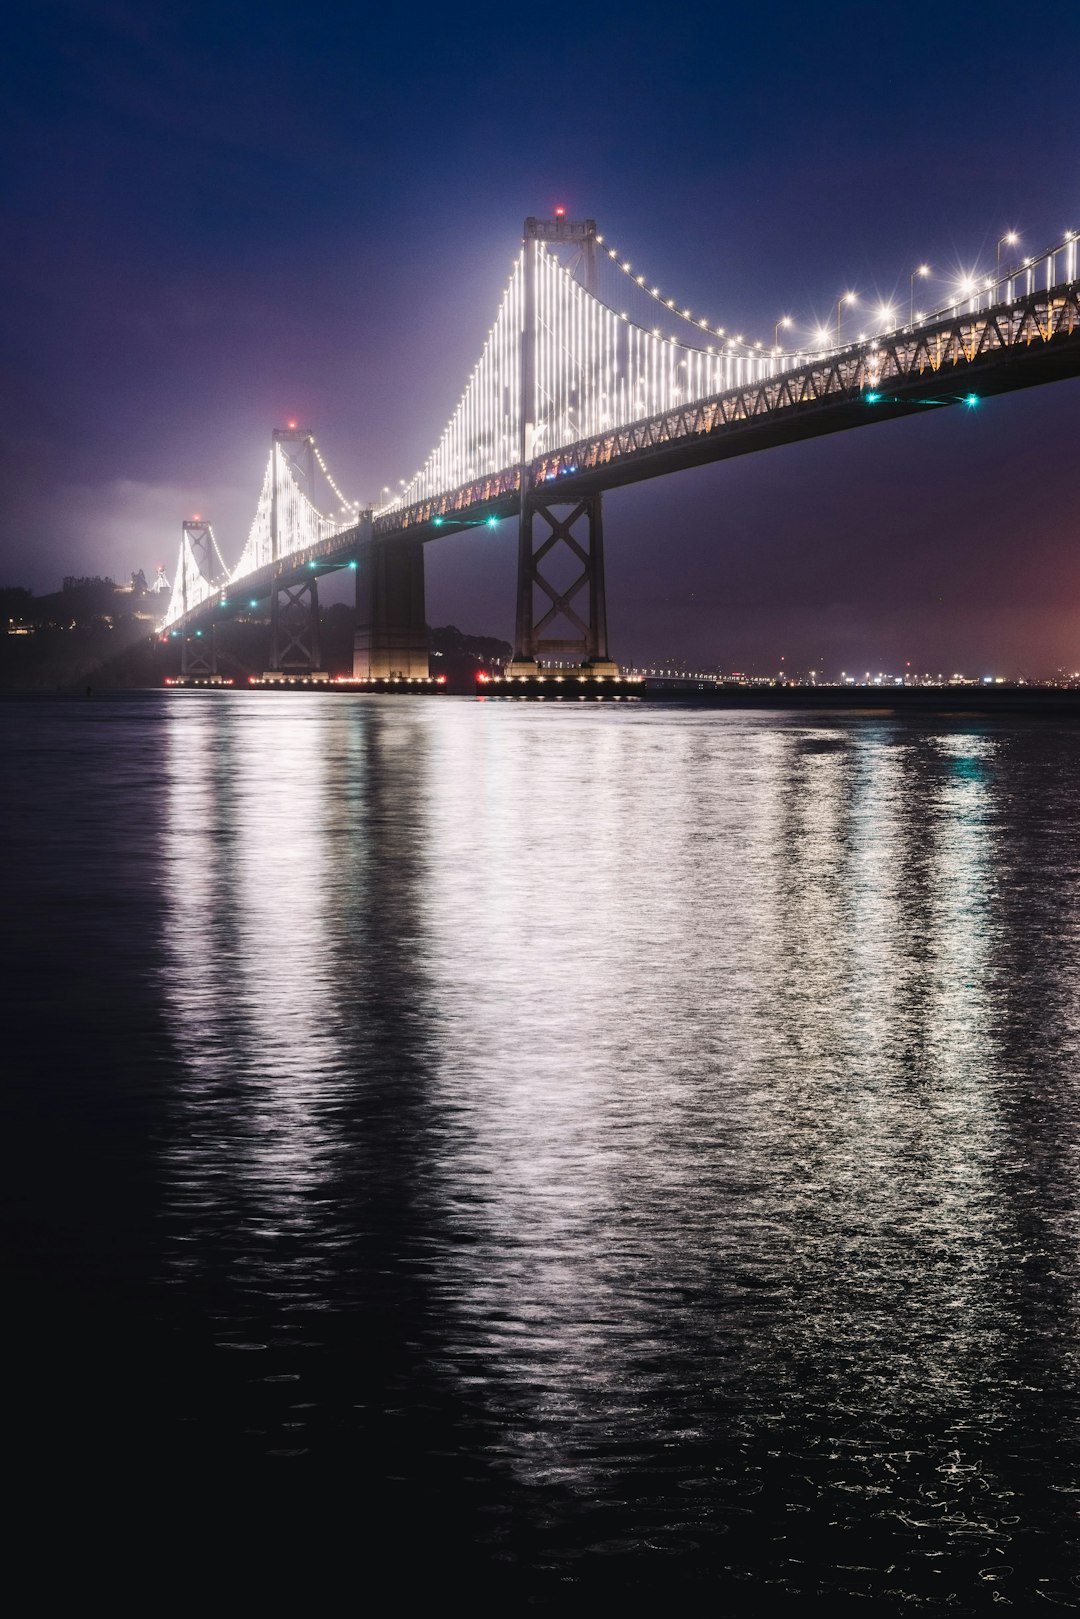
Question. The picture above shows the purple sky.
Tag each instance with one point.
(217, 217)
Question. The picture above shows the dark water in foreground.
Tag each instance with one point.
(588, 1153)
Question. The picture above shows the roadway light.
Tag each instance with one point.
(780, 326)
(966, 286)
(922, 271)
(1009, 239)
(844, 298)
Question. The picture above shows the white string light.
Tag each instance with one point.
(222, 564)
(595, 370)
(658, 297)
(346, 505)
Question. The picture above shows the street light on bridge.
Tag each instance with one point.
(844, 298)
(966, 288)
(922, 271)
(781, 325)
(1010, 239)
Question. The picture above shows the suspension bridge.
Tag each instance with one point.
(575, 393)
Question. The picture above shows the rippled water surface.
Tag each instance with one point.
(616, 1149)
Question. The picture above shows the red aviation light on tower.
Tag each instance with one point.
(291, 426)
(559, 212)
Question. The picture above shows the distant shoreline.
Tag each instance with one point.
(920, 699)
(1037, 701)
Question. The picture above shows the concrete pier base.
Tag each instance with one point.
(391, 640)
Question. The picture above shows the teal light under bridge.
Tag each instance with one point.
(466, 522)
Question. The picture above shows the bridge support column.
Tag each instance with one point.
(294, 627)
(572, 626)
(198, 653)
(391, 623)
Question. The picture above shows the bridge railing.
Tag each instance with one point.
(865, 369)
(1020, 302)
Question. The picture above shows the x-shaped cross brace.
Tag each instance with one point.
(560, 600)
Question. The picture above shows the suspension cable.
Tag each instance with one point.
(697, 322)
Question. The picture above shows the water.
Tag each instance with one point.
(595, 1151)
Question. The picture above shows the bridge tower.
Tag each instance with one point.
(198, 650)
(294, 602)
(572, 621)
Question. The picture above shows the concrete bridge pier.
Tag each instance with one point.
(391, 624)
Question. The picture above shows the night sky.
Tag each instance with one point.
(218, 217)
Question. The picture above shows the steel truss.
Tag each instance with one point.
(294, 626)
(1020, 341)
(987, 341)
(586, 641)
(993, 342)
(198, 653)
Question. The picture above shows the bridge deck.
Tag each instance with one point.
(1024, 343)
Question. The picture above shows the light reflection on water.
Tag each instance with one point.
(694, 1022)
(669, 1119)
